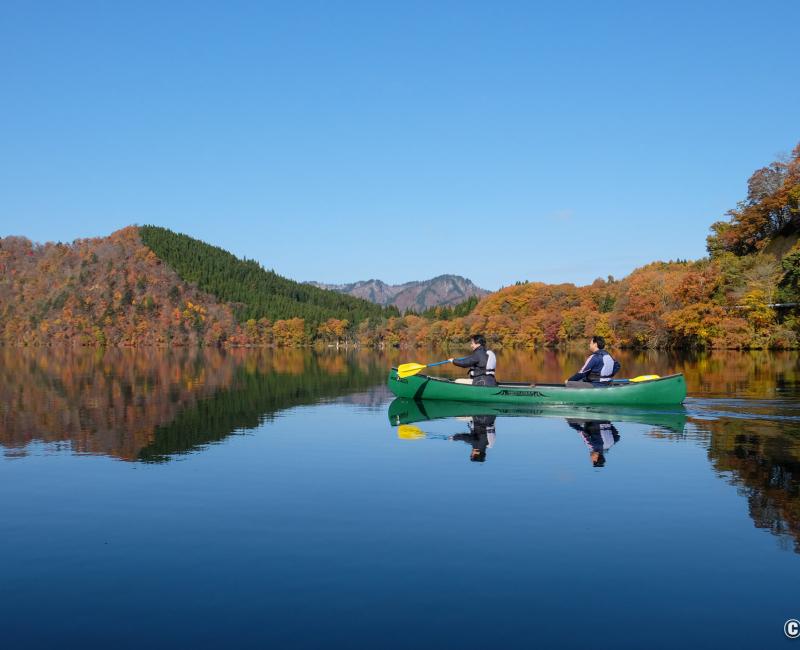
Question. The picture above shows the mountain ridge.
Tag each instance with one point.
(445, 290)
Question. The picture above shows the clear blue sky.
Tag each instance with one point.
(339, 141)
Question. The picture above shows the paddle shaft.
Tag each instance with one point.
(410, 369)
(439, 363)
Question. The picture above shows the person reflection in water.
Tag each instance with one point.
(599, 436)
(481, 436)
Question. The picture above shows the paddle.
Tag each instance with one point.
(636, 379)
(408, 369)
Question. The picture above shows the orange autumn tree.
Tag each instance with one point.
(334, 330)
(290, 332)
(772, 206)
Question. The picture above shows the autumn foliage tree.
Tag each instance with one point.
(150, 286)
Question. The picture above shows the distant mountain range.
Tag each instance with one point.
(441, 291)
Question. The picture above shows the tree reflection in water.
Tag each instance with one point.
(149, 404)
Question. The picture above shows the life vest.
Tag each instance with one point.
(491, 363)
(609, 369)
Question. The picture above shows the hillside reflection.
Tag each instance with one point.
(762, 460)
(150, 404)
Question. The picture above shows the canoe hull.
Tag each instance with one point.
(667, 391)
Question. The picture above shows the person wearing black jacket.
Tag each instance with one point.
(481, 363)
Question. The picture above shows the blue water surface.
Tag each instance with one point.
(321, 527)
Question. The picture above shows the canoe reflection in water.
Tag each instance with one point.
(599, 436)
(481, 436)
(597, 426)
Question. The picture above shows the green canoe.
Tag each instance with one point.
(666, 391)
(409, 411)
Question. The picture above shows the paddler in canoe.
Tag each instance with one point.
(482, 363)
(406, 381)
(599, 367)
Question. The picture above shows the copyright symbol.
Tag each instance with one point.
(791, 628)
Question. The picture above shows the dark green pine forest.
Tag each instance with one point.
(254, 291)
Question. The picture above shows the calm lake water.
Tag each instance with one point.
(280, 499)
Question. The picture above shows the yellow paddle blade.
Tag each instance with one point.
(408, 369)
(409, 432)
(646, 377)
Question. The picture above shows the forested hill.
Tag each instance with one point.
(171, 290)
(254, 292)
(102, 291)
